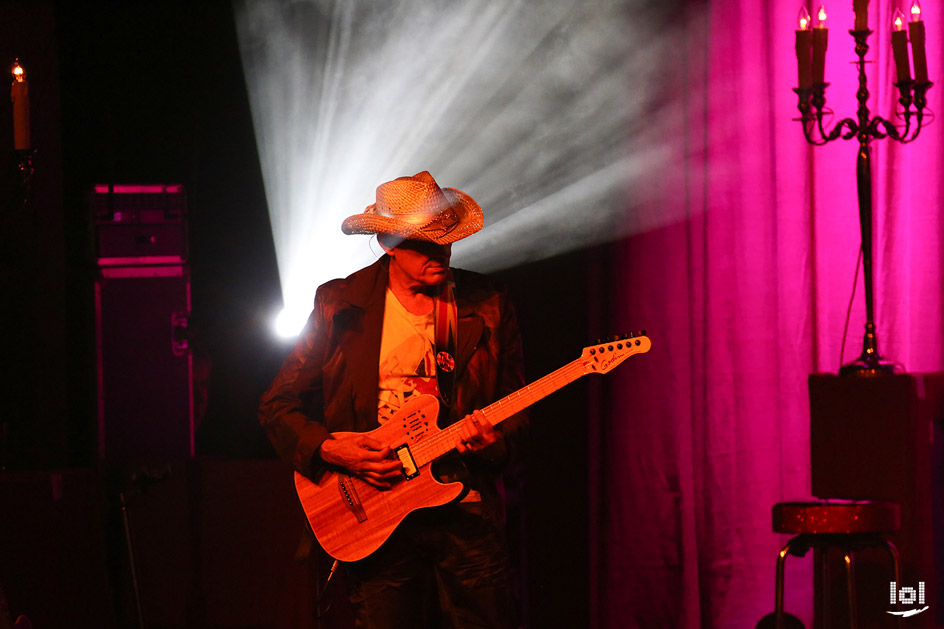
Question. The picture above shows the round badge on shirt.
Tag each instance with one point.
(445, 361)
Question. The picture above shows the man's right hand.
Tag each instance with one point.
(363, 457)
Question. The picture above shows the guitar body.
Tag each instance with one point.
(351, 518)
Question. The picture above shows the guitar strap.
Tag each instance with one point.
(447, 322)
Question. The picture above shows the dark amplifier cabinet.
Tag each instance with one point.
(871, 439)
(142, 243)
(140, 224)
(144, 363)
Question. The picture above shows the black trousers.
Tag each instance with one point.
(444, 567)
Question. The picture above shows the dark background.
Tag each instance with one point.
(154, 93)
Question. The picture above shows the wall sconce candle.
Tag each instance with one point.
(804, 49)
(861, 9)
(900, 47)
(916, 35)
(19, 94)
(820, 33)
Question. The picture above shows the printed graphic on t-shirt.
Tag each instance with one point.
(407, 360)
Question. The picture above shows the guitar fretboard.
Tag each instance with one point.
(430, 449)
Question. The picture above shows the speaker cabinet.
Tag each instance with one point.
(144, 364)
(140, 224)
(871, 438)
(214, 547)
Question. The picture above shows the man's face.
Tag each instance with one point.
(423, 263)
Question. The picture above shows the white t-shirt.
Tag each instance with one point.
(407, 357)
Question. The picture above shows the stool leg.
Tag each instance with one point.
(778, 590)
(825, 585)
(896, 562)
(850, 587)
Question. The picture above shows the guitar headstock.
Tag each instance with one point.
(607, 354)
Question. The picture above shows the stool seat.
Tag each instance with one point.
(845, 525)
(837, 517)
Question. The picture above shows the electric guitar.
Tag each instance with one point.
(351, 518)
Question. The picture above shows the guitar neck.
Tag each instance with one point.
(430, 449)
(537, 390)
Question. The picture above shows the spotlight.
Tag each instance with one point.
(288, 323)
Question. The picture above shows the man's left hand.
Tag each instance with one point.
(479, 436)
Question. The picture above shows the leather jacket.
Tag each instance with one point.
(329, 383)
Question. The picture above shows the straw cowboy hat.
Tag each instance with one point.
(416, 208)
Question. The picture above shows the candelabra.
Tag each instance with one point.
(865, 128)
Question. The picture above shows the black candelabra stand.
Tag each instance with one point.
(865, 128)
(23, 177)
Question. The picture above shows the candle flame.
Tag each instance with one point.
(19, 74)
(803, 19)
(899, 20)
(915, 11)
(821, 16)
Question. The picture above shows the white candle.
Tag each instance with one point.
(19, 94)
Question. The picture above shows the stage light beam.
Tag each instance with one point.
(543, 111)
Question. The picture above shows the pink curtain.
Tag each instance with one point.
(743, 287)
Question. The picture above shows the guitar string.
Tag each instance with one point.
(442, 442)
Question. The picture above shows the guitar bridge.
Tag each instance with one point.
(351, 499)
(410, 470)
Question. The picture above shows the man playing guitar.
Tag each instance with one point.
(380, 349)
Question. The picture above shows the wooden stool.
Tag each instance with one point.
(848, 526)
